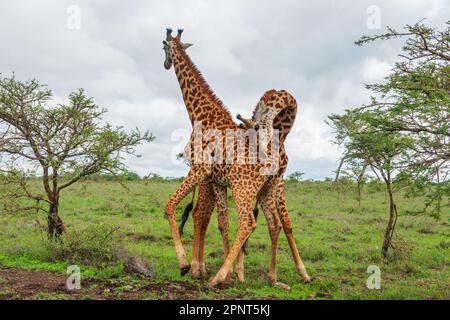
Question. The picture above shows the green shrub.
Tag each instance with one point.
(94, 245)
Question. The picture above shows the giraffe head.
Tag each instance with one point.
(171, 45)
(247, 123)
(264, 113)
(267, 109)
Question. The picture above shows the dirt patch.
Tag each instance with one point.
(143, 237)
(26, 283)
(37, 284)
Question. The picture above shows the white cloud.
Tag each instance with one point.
(242, 48)
(374, 70)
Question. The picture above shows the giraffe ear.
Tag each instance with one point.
(186, 45)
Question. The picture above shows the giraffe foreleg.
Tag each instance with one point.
(201, 209)
(247, 225)
(239, 269)
(194, 177)
(209, 203)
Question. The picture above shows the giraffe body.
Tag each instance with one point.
(275, 110)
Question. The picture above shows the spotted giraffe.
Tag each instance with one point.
(263, 117)
(244, 179)
(271, 113)
(270, 118)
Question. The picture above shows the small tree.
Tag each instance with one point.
(404, 133)
(296, 176)
(383, 151)
(414, 100)
(65, 143)
(356, 170)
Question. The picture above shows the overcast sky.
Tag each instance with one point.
(243, 48)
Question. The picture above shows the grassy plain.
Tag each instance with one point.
(337, 240)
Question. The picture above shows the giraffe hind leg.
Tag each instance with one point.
(223, 223)
(267, 201)
(287, 227)
(186, 212)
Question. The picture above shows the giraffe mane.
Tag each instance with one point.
(202, 82)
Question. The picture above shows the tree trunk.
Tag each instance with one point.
(55, 224)
(360, 182)
(389, 233)
(359, 194)
(338, 171)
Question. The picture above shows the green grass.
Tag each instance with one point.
(337, 241)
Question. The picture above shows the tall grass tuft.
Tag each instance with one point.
(96, 246)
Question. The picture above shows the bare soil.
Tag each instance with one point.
(36, 284)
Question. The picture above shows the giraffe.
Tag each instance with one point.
(269, 114)
(245, 179)
(263, 117)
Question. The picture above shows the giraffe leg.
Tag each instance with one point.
(287, 227)
(210, 201)
(223, 222)
(247, 224)
(203, 210)
(268, 200)
(193, 178)
(241, 256)
(239, 270)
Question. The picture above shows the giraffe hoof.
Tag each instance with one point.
(199, 274)
(212, 283)
(282, 286)
(184, 270)
(196, 274)
(203, 272)
(240, 276)
(307, 279)
(228, 280)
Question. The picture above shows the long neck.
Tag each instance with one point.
(201, 103)
(286, 118)
(284, 121)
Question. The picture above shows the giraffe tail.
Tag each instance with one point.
(185, 216)
(255, 214)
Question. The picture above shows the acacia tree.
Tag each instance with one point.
(414, 100)
(60, 144)
(382, 151)
(296, 176)
(404, 133)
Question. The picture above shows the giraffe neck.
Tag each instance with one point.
(201, 102)
(284, 121)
